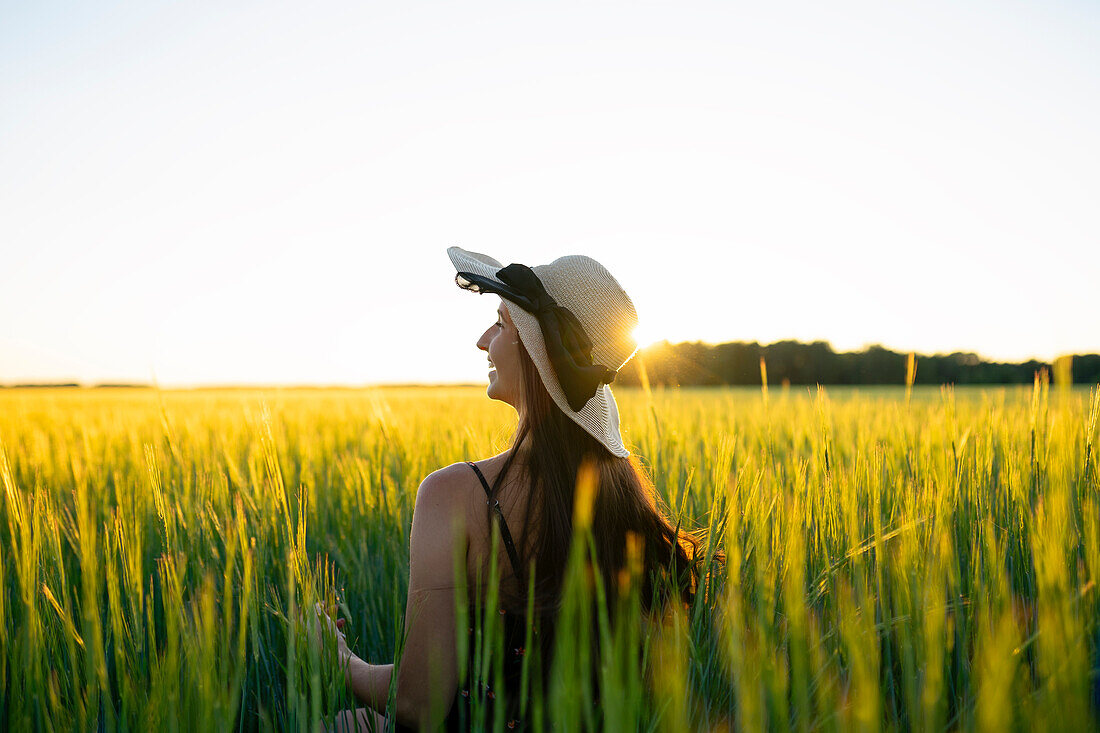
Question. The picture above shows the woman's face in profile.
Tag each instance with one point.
(501, 343)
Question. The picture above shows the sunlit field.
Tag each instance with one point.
(892, 562)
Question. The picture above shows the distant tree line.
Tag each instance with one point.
(793, 362)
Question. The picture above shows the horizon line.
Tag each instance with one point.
(68, 382)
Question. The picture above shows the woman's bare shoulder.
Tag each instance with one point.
(456, 484)
(460, 475)
(446, 485)
(457, 487)
(447, 476)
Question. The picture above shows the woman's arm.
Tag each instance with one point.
(370, 683)
(428, 676)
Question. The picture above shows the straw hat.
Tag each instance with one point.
(594, 301)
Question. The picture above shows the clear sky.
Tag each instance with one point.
(239, 192)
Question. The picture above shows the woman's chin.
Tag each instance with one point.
(493, 391)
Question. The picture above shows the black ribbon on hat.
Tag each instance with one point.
(567, 345)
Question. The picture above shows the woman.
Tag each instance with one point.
(562, 332)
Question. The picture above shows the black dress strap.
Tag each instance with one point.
(505, 535)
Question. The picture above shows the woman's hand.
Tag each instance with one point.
(326, 626)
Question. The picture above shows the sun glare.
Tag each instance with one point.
(646, 335)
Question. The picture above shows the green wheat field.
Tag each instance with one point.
(893, 561)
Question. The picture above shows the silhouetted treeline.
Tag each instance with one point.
(816, 363)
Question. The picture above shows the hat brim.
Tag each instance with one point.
(600, 415)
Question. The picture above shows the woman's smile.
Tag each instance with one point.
(500, 342)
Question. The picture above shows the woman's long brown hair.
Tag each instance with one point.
(626, 502)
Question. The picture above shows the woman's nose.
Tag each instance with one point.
(483, 342)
